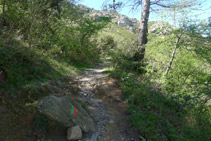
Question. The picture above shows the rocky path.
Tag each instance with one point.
(102, 98)
(104, 102)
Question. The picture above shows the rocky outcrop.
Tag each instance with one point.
(120, 20)
(160, 27)
(60, 109)
(131, 24)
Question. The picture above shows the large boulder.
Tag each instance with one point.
(59, 109)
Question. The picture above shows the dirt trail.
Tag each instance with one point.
(104, 101)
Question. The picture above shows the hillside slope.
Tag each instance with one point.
(131, 24)
(41, 55)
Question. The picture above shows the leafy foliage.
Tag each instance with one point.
(42, 41)
(174, 106)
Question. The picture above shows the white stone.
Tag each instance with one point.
(74, 133)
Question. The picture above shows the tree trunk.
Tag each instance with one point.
(32, 17)
(171, 60)
(2, 20)
(173, 54)
(4, 3)
(143, 30)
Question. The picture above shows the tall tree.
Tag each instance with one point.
(143, 30)
(152, 5)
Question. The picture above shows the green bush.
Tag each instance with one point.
(160, 116)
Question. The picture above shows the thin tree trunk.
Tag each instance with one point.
(173, 54)
(4, 3)
(143, 30)
(3, 15)
(171, 60)
(32, 17)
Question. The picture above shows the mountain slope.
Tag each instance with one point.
(130, 24)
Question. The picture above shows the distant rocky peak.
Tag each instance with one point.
(131, 24)
(118, 19)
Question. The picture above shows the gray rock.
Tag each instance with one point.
(74, 133)
(118, 19)
(95, 136)
(59, 109)
(111, 121)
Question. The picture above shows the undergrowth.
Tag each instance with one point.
(158, 116)
(28, 74)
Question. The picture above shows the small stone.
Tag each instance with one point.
(118, 99)
(111, 121)
(74, 133)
